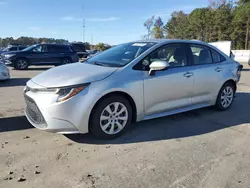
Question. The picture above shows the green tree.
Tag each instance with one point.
(87, 45)
(199, 23)
(26, 41)
(241, 26)
(177, 26)
(100, 46)
(222, 22)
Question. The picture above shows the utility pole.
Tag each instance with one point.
(83, 30)
(83, 25)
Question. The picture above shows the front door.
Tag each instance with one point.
(169, 89)
(39, 55)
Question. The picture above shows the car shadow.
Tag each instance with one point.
(14, 82)
(193, 123)
(38, 68)
(245, 70)
(14, 124)
(188, 124)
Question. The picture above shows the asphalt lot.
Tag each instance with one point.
(203, 148)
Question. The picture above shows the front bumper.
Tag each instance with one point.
(8, 61)
(4, 73)
(67, 117)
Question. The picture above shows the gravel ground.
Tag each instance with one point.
(203, 148)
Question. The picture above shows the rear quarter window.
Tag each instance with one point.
(59, 49)
(217, 58)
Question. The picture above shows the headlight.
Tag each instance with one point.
(9, 55)
(2, 65)
(68, 92)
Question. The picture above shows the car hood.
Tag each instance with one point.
(72, 74)
(12, 52)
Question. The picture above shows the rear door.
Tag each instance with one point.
(59, 52)
(56, 53)
(207, 67)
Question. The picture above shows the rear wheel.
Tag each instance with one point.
(110, 117)
(21, 64)
(225, 97)
(66, 61)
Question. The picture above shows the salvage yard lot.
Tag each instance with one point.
(202, 148)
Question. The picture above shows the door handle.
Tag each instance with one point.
(188, 74)
(218, 69)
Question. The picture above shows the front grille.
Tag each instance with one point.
(33, 112)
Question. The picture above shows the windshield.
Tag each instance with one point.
(120, 55)
(6, 49)
(29, 48)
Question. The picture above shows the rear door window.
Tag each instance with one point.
(201, 55)
(217, 58)
(58, 49)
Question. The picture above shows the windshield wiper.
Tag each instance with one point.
(100, 64)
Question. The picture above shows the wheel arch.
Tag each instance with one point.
(231, 81)
(25, 58)
(18, 58)
(119, 93)
(66, 57)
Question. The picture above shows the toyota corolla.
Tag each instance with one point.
(128, 83)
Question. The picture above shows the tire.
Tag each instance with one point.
(21, 64)
(66, 61)
(225, 97)
(113, 124)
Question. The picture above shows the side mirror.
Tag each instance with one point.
(157, 66)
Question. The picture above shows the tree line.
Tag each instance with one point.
(221, 20)
(27, 41)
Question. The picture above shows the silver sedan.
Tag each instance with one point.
(4, 71)
(131, 82)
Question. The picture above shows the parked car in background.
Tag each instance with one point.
(79, 47)
(131, 82)
(4, 71)
(92, 53)
(41, 54)
(12, 49)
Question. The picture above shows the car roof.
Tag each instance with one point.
(162, 41)
(50, 44)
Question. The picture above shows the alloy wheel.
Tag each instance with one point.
(22, 64)
(227, 96)
(66, 61)
(114, 118)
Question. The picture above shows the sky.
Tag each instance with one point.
(107, 21)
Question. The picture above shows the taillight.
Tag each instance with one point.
(240, 67)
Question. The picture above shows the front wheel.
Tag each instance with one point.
(110, 117)
(21, 64)
(225, 97)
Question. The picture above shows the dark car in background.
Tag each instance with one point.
(80, 48)
(41, 54)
